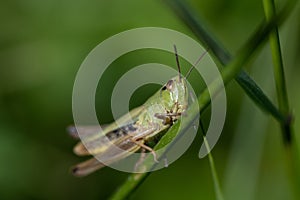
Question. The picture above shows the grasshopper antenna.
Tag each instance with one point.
(196, 63)
(177, 61)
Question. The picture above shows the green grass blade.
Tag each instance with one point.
(218, 191)
(282, 98)
(258, 96)
(279, 75)
(131, 184)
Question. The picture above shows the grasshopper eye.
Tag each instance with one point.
(169, 85)
(164, 88)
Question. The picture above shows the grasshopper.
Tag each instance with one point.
(155, 116)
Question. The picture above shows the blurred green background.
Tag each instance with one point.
(42, 44)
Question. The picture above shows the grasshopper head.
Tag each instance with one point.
(175, 92)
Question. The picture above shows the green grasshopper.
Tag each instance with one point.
(155, 116)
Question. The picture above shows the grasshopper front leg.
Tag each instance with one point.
(168, 118)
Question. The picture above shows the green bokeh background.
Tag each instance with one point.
(42, 44)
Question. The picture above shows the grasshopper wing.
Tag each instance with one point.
(95, 140)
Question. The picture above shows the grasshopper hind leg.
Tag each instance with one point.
(141, 144)
(86, 167)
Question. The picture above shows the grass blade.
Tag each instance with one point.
(218, 191)
(282, 97)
